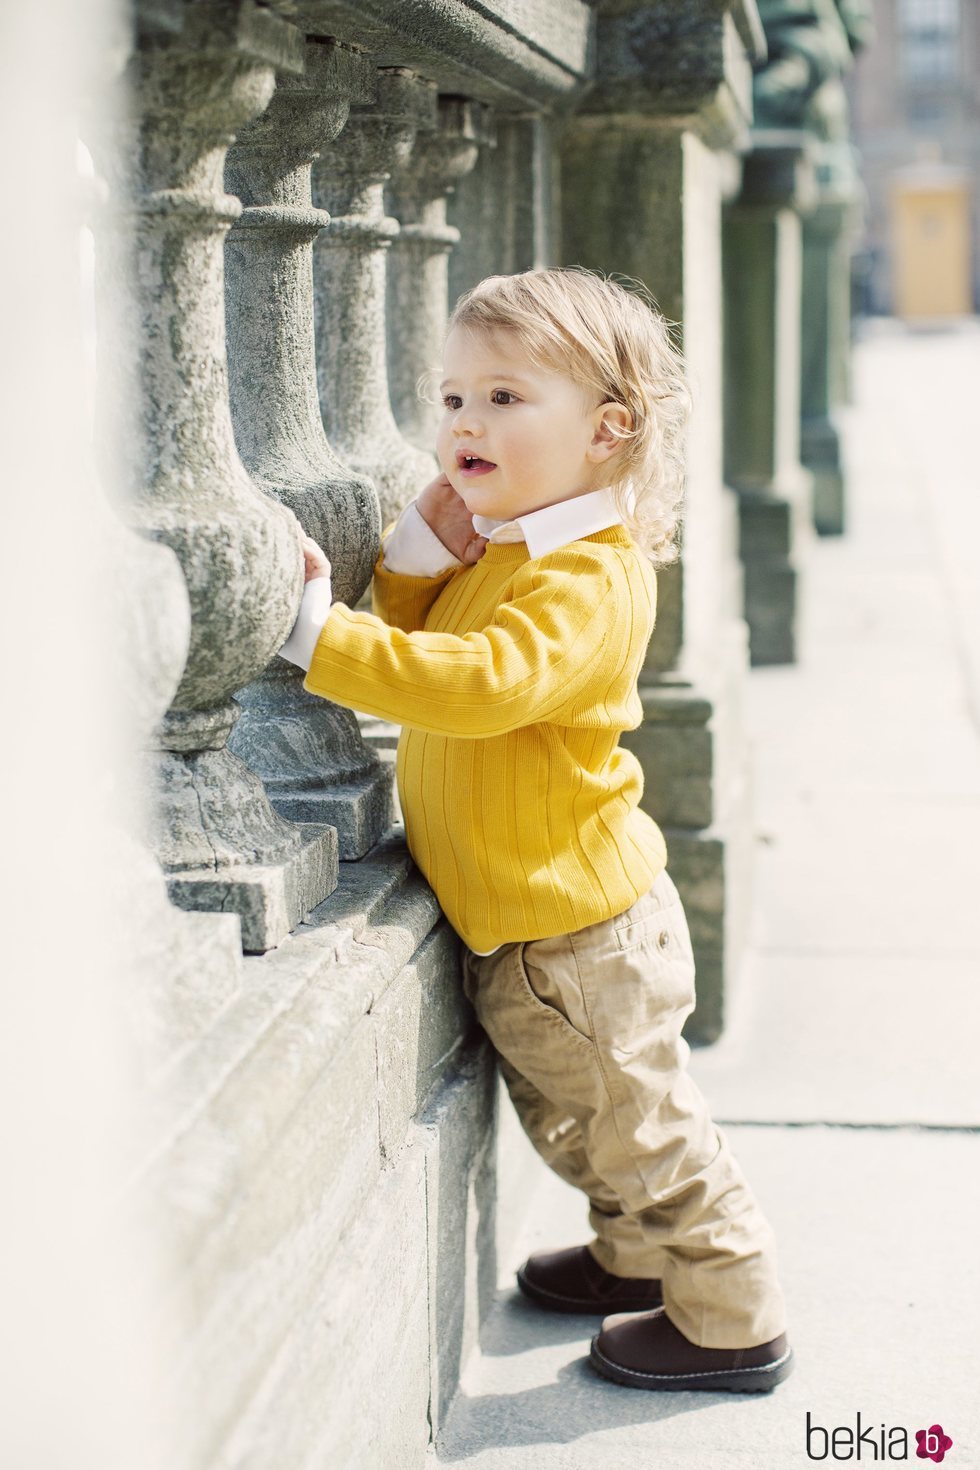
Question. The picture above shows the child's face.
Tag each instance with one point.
(528, 429)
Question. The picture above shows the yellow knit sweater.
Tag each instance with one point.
(513, 679)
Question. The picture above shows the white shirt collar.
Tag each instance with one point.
(554, 525)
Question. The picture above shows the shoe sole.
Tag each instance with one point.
(555, 1303)
(759, 1379)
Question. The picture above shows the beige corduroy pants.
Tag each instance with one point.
(587, 1027)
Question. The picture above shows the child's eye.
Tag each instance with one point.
(502, 397)
(452, 400)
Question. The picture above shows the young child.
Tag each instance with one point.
(514, 602)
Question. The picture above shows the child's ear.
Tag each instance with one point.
(610, 421)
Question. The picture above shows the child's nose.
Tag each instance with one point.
(467, 421)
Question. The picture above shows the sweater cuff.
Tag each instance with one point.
(412, 549)
(298, 647)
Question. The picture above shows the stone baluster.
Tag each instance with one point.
(218, 839)
(810, 48)
(828, 232)
(647, 164)
(349, 287)
(504, 207)
(308, 751)
(418, 263)
(763, 250)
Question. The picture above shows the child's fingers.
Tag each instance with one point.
(316, 562)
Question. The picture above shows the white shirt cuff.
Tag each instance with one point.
(414, 550)
(298, 647)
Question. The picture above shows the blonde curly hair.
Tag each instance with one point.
(613, 340)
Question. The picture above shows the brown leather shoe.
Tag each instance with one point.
(649, 1352)
(573, 1281)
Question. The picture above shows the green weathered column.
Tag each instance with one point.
(763, 262)
(811, 45)
(647, 162)
(827, 246)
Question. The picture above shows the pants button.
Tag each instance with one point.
(663, 939)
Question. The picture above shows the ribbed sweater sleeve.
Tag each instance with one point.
(539, 650)
(404, 601)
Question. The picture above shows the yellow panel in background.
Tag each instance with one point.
(931, 248)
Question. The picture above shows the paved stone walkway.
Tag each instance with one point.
(848, 1079)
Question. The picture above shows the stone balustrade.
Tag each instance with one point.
(305, 186)
(811, 46)
(418, 265)
(218, 839)
(307, 751)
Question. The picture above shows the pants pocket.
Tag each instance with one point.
(541, 991)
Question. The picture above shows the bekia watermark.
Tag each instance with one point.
(881, 1442)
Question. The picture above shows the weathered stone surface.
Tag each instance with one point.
(460, 1212)
(418, 280)
(808, 49)
(350, 1387)
(307, 751)
(350, 1300)
(763, 282)
(513, 54)
(689, 62)
(188, 93)
(694, 749)
(295, 1193)
(270, 900)
(421, 1022)
(503, 207)
(826, 333)
(811, 45)
(655, 195)
(349, 280)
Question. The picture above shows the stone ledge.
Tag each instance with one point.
(343, 960)
(529, 52)
(343, 1057)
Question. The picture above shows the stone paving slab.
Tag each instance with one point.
(822, 886)
(878, 1255)
(849, 1039)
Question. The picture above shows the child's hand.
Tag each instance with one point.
(316, 562)
(445, 513)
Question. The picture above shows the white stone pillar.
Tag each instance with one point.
(418, 262)
(349, 285)
(219, 841)
(308, 751)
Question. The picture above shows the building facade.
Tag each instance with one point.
(915, 99)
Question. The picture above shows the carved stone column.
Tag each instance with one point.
(504, 209)
(418, 263)
(827, 244)
(220, 843)
(349, 286)
(811, 45)
(763, 283)
(308, 751)
(646, 166)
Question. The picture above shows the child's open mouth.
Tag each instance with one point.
(471, 464)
